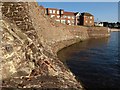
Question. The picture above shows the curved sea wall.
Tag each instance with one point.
(52, 32)
(98, 32)
(55, 36)
(81, 33)
(30, 41)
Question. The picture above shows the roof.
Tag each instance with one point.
(86, 14)
(61, 9)
(69, 13)
(76, 13)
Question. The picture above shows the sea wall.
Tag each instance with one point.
(27, 61)
(30, 41)
(81, 33)
(62, 35)
(78, 34)
(51, 32)
(98, 32)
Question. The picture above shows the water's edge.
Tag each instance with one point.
(98, 43)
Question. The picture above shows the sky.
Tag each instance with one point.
(102, 11)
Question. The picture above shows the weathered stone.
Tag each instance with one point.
(30, 41)
(8, 48)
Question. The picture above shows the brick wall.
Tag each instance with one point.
(88, 20)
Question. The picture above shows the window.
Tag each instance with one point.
(86, 21)
(72, 17)
(58, 16)
(91, 17)
(69, 17)
(61, 12)
(52, 16)
(63, 21)
(54, 11)
(58, 20)
(50, 11)
(57, 12)
(64, 16)
(68, 21)
(78, 17)
(90, 21)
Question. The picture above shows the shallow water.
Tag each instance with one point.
(95, 62)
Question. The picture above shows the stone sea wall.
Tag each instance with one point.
(30, 41)
(81, 33)
(61, 36)
(51, 32)
(98, 32)
(26, 63)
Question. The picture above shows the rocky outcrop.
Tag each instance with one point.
(26, 63)
(29, 43)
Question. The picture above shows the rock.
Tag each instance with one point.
(8, 48)
(29, 43)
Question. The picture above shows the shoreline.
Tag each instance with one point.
(66, 54)
(32, 56)
(114, 30)
(58, 46)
